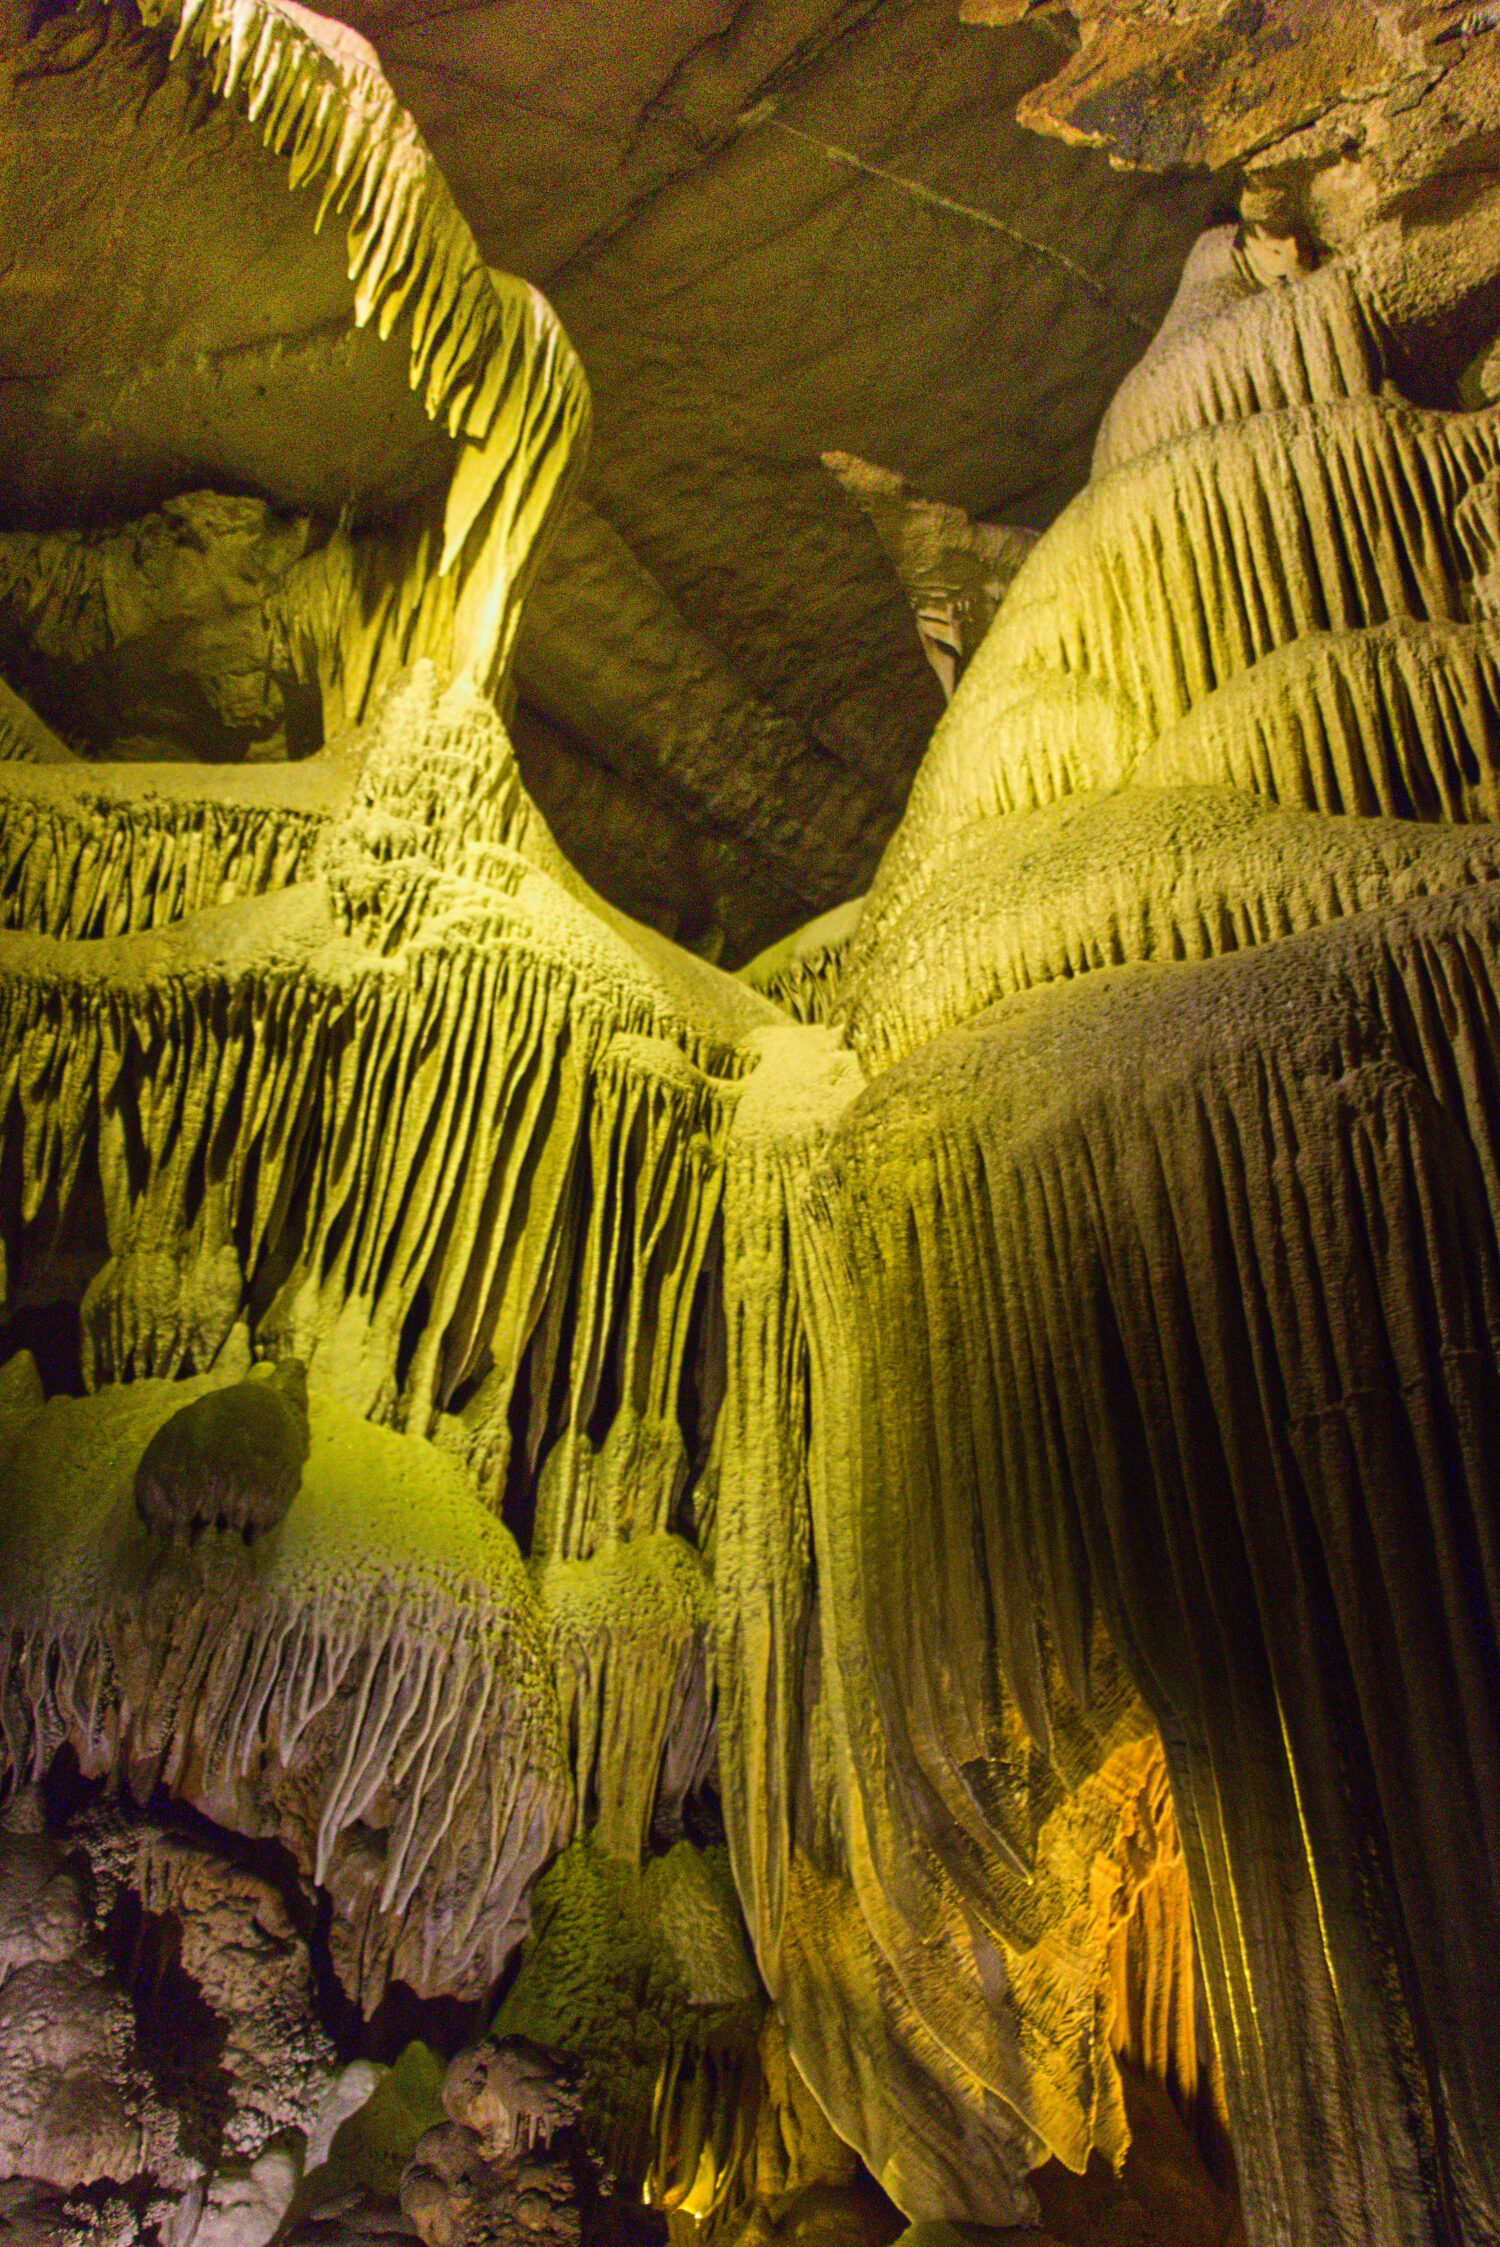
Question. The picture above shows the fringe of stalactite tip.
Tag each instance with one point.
(806, 988)
(488, 359)
(99, 869)
(60, 1033)
(434, 1719)
(318, 96)
(631, 1642)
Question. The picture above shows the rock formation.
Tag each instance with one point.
(331, 1685)
(954, 573)
(770, 1598)
(232, 1460)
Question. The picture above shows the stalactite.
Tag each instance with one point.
(84, 862)
(703, 2120)
(370, 1675)
(644, 1214)
(630, 1640)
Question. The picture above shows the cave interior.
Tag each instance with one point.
(750, 1123)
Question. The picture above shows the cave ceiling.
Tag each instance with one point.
(723, 697)
(777, 230)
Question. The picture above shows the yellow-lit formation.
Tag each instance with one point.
(1009, 1382)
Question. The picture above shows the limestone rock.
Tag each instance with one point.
(160, 2008)
(971, 2235)
(376, 1792)
(231, 1460)
(349, 2091)
(76, 2106)
(360, 2178)
(955, 573)
(1212, 85)
(227, 1929)
(21, 1391)
(244, 2207)
(70, 2103)
(355, 2221)
(511, 2095)
(454, 2197)
(166, 639)
(36, 2217)
(605, 654)
(43, 1920)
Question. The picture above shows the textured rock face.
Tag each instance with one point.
(75, 2107)
(1017, 1440)
(232, 1460)
(607, 655)
(1378, 103)
(744, 299)
(173, 1907)
(165, 381)
(325, 1686)
(164, 639)
(164, 2071)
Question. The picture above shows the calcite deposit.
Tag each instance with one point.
(638, 1600)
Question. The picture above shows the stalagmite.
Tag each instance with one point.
(1171, 577)
(1230, 348)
